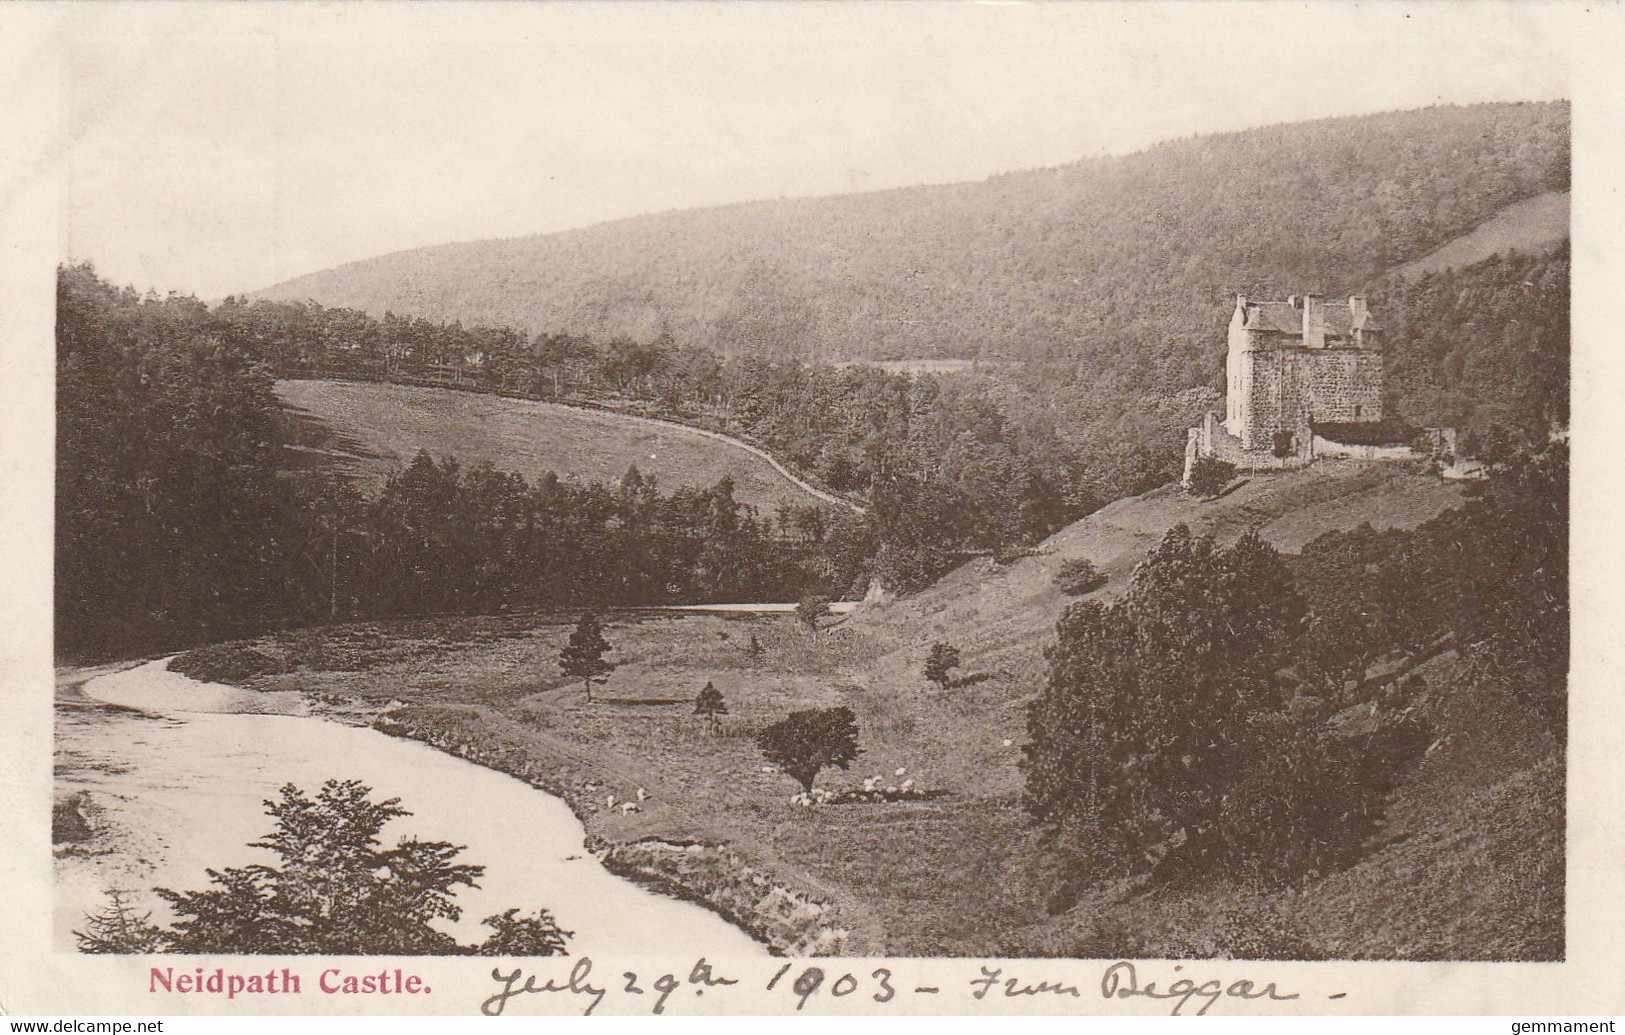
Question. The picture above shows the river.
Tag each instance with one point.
(177, 772)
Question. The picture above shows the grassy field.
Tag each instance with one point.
(955, 874)
(368, 431)
(1532, 225)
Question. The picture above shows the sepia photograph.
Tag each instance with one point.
(800, 493)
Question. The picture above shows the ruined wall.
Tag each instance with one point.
(1211, 438)
(1326, 447)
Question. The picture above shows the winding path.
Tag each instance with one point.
(598, 410)
(811, 490)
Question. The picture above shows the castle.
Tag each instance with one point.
(1303, 378)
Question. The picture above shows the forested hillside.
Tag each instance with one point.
(1483, 348)
(1107, 284)
(1121, 267)
(179, 521)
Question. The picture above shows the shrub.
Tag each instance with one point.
(516, 935)
(1079, 576)
(710, 704)
(234, 663)
(942, 660)
(119, 929)
(68, 821)
(1209, 476)
(811, 609)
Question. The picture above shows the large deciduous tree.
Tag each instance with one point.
(807, 741)
(336, 891)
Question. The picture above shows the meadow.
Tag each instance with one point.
(368, 431)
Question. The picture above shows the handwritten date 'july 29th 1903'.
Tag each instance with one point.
(804, 982)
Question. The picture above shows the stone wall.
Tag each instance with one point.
(1287, 389)
(1326, 447)
(1277, 397)
(1345, 386)
(1211, 439)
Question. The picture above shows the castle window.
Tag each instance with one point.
(1356, 412)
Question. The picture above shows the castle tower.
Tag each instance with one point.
(1298, 363)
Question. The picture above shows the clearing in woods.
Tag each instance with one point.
(368, 431)
(1531, 225)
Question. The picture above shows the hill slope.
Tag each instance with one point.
(1076, 262)
(370, 431)
(951, 874)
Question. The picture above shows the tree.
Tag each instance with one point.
(1209, 476)
(516, 935)
(811, 609)
(1161, 739)
(942, 660)
(1079, 576)
(809, 740)
(119, 929)
(711, 705)
(583, 656)
(1516, 622)
(337, 891)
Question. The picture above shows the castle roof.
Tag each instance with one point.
(1287, 318)
(1283, 317)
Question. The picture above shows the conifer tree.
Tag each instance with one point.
(942, 660)
(583, 656)
(711, 705)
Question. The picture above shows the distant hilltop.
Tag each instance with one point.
(1074, 264)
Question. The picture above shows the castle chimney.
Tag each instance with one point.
(1358, 315)
(1314, 322)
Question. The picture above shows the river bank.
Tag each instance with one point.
(166, 791)
(682, 864)
(490, 687)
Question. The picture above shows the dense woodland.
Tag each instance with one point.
(173, 514)
(1484, 349)
(1077, 263)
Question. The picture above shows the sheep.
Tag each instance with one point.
(629, 807)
